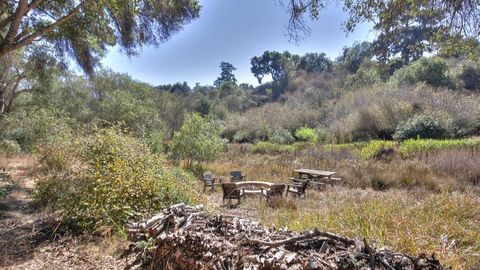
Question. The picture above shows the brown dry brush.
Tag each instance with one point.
(188, 237)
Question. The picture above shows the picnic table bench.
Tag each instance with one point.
(254, 187)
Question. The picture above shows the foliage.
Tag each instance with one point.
(282, 136)
(376, 148)
(306, 134)
(429, 70)
(273, 63)
(352, 57)
(23, 73)
(86, 29)
(404, 24)
(412, 146)
(471, 77)
(421, 126)
(197, 140)
(119, 177)
(366, 75)
(6, 189)
(226, 75)
(9, 148)
(32, 129)
(315, 62)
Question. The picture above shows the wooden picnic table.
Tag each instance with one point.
(318, 176)
(314, 173)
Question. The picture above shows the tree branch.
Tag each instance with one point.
(30, 38)
(17, 19)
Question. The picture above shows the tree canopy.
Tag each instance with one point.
(85, 29)
(440, 22)
(272, 63)
(227, 74)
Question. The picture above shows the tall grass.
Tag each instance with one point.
(424, 146)
(413, 222)
(453, 171)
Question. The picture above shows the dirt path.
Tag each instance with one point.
(30, 238)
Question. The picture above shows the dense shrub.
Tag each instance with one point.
(322, 135)
(118, 177)
(244, 136)
(197, 140)
(9, 148)
(282, 136)
(429, 70)
(470, 77)
(306, 134)
(421, 126)
(32, 129)
(365, 76)
(377, 149)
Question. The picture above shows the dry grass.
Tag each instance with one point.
(413, 222)
(358, 173)
(461, 164)
(426, 206)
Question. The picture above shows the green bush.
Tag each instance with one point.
(421, 126)
(244, 136)
(429, 70)
(365, 76)
(32, 129)
(9, 148)
(322, 135)
(470, 77)
(198, 140)
(272, 148)
(118, 177)
(377, 148)
(282, 136)
(306, 134)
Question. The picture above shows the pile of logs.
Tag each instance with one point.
(188, 237)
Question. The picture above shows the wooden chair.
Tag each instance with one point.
(231, 191)
(298, 189)
(210, 181)
(236, 176)
(276, 190)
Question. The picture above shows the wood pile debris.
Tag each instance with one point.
(188, 237)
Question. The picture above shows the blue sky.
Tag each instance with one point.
(232, 31)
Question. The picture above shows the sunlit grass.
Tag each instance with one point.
(414, 222)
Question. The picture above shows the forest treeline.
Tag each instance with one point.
(351, 98)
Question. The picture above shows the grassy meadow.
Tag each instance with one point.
(426, 201)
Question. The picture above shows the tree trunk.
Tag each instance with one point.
(2, 102)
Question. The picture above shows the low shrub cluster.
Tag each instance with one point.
(9, 148)
(306, 134)
(422, 127)
(377, 149)
(429, 70)
(107, 177)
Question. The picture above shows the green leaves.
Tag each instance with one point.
(85, 29)
(113, 177)
(197, 140)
